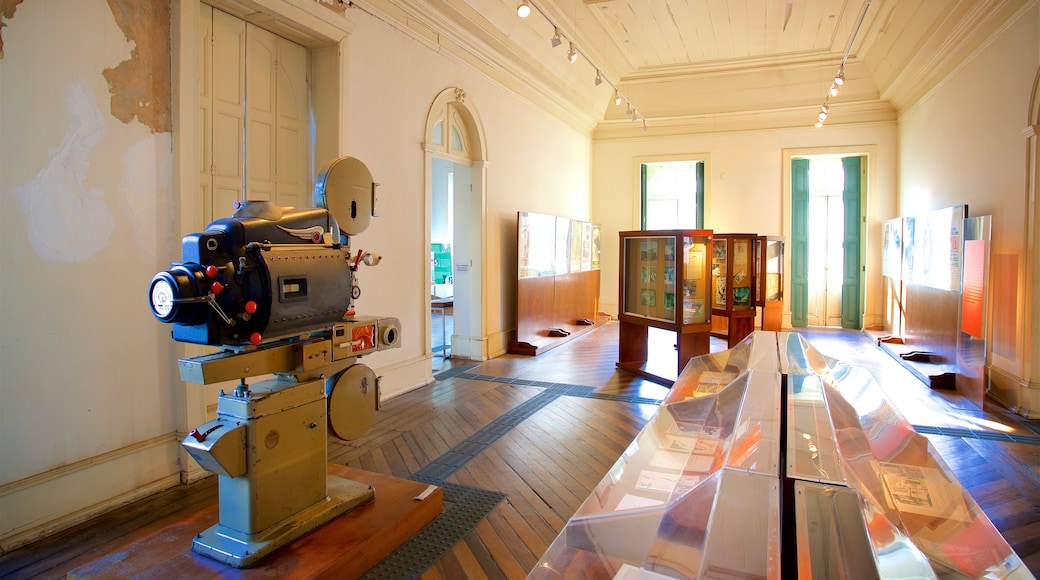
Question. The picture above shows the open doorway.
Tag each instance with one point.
(456, 174)
(826, 240)
(826, 233)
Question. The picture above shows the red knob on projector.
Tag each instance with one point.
(251, 307)
(212, 271)
(216, 288)
(255, 338)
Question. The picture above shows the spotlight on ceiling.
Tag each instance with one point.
(839, 79)
(572, 54)
(599, 78)
(523, 9)
(617, 98)
(556, 38)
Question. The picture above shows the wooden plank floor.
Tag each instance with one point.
(547, 463)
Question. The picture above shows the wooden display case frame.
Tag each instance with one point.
(734, 285)
(666, 289)
(769, 265)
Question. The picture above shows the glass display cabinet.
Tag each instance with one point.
(734, 284)
(664, 284)
(770, 460)
(769, 280)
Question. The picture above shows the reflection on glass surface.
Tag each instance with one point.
(698, 493)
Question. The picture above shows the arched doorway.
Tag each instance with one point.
(455, 178)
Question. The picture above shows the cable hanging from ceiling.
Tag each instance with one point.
(524, 9)
(839, 77)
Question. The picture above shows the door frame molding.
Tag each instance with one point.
(871, 152)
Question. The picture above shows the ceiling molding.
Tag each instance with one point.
(860, 113)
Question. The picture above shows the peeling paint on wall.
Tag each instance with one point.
(7, 8)
(67, 220)
(140, 85)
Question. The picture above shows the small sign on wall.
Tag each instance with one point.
(462, 267)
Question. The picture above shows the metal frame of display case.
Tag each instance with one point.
(769, 264)
(664, 284)
(771, 460)
(733, 284)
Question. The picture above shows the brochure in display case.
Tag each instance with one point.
(701, 492)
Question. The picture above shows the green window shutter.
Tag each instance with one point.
(799, 242)
(700, 195)
(851, 313)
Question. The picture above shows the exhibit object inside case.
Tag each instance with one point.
(771, 460)
(664, 284)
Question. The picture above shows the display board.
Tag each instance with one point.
(557, 281)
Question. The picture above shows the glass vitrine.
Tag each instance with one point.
(734, 283)
(664, 284)
(769, 266)
(772, 443)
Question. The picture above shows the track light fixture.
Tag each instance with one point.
(839, 77)
(524, 9)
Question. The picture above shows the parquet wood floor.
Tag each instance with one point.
(546, 463)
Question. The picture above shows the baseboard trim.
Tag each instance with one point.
(46, 503)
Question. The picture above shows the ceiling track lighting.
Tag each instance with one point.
(524, 9)
(839, 77)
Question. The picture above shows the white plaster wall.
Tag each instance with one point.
(964, 143)
(85, 221)
(744, 190)
(535, 163)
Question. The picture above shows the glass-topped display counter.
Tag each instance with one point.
(664, 284)
(770, 460)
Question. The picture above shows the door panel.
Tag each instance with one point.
(253, 118)
(799, 242)
(261, 63)
(851, 310)
(292, 177)
(228, 90)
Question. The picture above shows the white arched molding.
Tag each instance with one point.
(454, 132)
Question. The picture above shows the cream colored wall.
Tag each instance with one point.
(89, 394)
(534, 163)
(87, 400)
(747, 187)
(964, 143)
